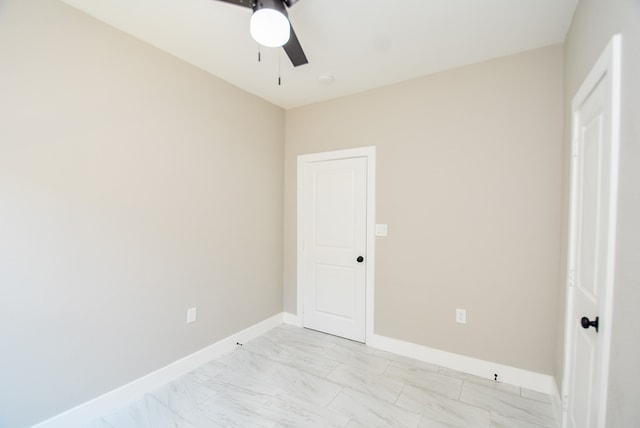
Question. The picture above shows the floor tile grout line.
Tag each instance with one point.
(167, 408)
(332, 371)
(342, 387)
(291, 365)
(461, 388)
(494, 412)
(404, 385)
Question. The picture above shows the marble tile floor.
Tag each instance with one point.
(295, 377)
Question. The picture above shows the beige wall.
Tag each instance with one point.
(593, 25)
(132, 187)
(469, 181)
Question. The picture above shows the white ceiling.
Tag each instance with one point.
(363, 44)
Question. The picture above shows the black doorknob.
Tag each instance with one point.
(586, 323)
(360, 259)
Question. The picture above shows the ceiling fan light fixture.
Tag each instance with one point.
(269, 27)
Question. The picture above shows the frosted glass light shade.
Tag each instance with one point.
(269, 27)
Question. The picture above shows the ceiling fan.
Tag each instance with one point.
(270, 26)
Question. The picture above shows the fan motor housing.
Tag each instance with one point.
(271, 4)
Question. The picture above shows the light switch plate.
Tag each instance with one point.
(381, 230)
(461, 316)
(192, 314)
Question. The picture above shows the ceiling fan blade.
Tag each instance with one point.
(290, 3)
(294, 50)
(245, 3)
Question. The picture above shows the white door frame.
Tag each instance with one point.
(369, 153)
(608, 64)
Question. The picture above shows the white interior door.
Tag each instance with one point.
(334, 246)
(592, 238)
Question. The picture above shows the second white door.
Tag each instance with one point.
(334, 245)
(592, 243)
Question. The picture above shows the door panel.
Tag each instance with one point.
(332, 296)
(589, 235)
(583, 385)
(334, 207)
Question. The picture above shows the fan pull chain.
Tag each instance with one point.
(279, 67)
(259, 53)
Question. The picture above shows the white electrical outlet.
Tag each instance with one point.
(192, 314)
(461, 316)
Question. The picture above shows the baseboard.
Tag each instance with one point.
(486, 369)
(556, 403)
(120, 397)
(291, 319)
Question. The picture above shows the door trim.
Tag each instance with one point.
(369, 153)
(608, 64)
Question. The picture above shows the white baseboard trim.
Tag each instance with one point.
(291, 319)
(122, 396)
(556, 403)
(485, 369)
